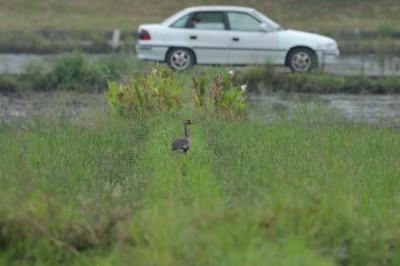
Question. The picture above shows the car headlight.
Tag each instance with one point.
(328, 46)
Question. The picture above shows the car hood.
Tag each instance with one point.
(301, 37)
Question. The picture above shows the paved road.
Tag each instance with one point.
(373, 65)
(347, 65)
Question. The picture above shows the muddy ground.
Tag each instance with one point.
(16, 106)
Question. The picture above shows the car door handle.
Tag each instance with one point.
(235, 39)
(193, 37)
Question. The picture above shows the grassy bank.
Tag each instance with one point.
(46, 26)
(106, 14)
(111, 192)
(73, 71)
(261, 80)
(79, 72)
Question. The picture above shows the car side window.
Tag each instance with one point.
(243, 22)
(180, 23)
(207, 21)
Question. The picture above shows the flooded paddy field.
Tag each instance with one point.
(22, 106)
(383, 110)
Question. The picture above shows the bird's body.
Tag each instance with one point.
(183, 143)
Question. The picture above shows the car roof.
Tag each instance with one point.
(205, 8)
(218, 8)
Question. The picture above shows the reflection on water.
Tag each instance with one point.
(370, 108)
(375, 109)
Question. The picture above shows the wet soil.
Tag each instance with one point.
(17, 106)
(380, 110)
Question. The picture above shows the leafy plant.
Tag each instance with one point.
(225, 97)
(158, 90)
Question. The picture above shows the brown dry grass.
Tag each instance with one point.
(128, 14)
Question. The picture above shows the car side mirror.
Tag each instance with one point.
(264, 26)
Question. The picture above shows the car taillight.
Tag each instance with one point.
(144, 35)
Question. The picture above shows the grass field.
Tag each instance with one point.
(110, 192)
(128, 14)
(291, 186)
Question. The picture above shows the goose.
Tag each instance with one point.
(183, 143)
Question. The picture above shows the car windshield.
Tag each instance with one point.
(174, 17)
(272, 24)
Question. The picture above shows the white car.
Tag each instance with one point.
(231, 35)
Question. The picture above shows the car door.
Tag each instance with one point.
(248, 43)
(207, 36)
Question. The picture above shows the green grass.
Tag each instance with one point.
(107, 14)
(261, 80)
(74, 71)
(288, 192)
(77, 71)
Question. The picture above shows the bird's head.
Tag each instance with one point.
(188, 122)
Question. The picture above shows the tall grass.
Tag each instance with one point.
(247, 193)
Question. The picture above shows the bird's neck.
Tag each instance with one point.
(186, 131)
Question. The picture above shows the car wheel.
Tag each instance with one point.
(180, 58)
(302, 60)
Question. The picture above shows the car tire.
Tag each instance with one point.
(302, 60)
(180, 58)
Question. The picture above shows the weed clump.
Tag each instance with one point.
(225, 97)
(159, 90)
(156, 91)
(74, 72)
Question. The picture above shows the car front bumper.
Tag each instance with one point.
(328, 57)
